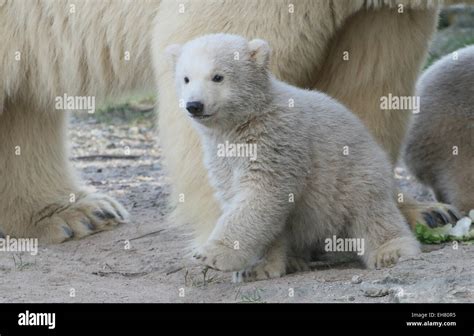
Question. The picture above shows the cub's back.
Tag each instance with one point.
(439, 147)
(329, 124)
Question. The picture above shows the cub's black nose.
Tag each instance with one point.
(195, 107)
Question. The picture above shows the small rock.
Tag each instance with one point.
(461, 228)
(390, 280)
(356, 279)
(463, 294)
(375, 291)
(351, 298)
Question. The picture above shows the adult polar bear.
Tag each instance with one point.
(102, 48)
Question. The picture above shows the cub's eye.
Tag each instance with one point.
(186, 80)
(217, 78)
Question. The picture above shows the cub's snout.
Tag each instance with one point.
(196, 108)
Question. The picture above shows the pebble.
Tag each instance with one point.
(375, 291)
(390, 280)
(356, 279)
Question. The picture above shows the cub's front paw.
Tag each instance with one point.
(89, 214)
(264, 270)
(221, 257)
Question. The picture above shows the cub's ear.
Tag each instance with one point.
(173, 51)
(260, 52)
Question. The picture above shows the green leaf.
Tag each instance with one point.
(439, 235)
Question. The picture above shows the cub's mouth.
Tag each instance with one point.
(201, 116)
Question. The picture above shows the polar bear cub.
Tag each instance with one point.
(290, 167)
(440, 144)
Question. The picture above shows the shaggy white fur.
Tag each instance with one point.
(440, 146)
(314, 163)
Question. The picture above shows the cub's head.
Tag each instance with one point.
(221, 79)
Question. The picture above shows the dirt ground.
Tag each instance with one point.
(146, 259)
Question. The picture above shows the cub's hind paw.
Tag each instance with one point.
(296, 264)
(390, 252)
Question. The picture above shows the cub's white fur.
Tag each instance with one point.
(440, 147)
(318, 172)
(385, 51)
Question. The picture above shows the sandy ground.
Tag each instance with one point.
(145, 260)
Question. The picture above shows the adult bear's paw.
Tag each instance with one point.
(87, 215)
(431, 214)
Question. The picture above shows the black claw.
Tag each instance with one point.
(89, 224)
(429, 220)
(197, 256)
(104, 214)
(99, 214)
(68, 231)
(204, 259)
(441, 217)
(120, 215)
(109, 215)
(453, 215)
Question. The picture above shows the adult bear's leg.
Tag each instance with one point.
(48, 49)
(379, 53)
(40, 196)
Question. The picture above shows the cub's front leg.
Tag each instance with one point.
(279, 260)
(245, 231)
(272, 264)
